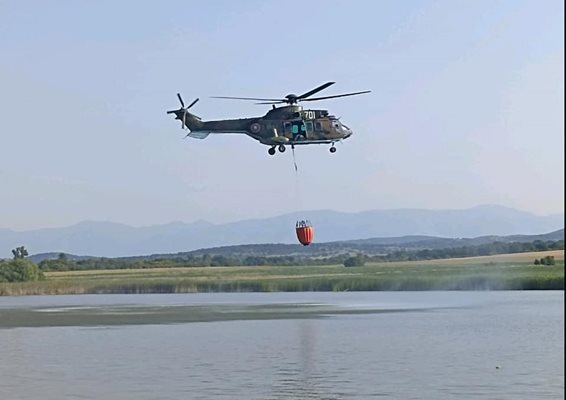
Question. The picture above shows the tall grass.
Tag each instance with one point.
(496, 273)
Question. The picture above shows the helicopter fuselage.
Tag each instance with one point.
(287, 125)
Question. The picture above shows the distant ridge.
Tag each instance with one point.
(369, 246)
(437, 242)
(117, 240)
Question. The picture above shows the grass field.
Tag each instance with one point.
(500, 272)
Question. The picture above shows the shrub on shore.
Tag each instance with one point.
(19, 270)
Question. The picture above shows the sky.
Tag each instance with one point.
(466, 108)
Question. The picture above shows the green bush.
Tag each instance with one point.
(548, 260)
(19, 270)
(356, 261)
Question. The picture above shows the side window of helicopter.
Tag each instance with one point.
(309, 126)
(298, 128)
(317, 126)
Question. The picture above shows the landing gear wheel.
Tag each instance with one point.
(333, 149)
(271, 151)
(281, 148)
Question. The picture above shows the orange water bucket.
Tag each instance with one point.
(305, 232)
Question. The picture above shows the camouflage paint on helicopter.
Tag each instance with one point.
(287, 125)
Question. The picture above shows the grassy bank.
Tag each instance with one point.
(501, 272)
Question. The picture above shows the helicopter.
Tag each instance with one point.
(287, 125)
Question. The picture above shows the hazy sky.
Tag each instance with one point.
(467, 107)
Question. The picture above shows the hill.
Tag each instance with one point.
(370, 247)
(114, 240)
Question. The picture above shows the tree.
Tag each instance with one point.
(206, 260)
(356, 261)
(55, 265)
(20, 252)
(549, 260)
(537, 262)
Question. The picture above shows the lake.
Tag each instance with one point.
(362, 345)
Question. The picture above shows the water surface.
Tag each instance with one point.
(398, 345)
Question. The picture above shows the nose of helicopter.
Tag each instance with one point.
(347, 131)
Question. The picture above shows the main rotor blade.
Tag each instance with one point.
(243, 98)
(318, 89)
(272, 102)
(181, 100)
(338, 95)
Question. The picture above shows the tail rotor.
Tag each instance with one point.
(183, 109)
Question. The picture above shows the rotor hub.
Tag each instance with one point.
(292, 98)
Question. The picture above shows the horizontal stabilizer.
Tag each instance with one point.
(198, 134)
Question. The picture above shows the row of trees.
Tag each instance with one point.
(62, 263)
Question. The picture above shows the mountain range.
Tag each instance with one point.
(108, 239)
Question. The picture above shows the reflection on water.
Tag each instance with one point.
(505, 345)
(301, 379)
